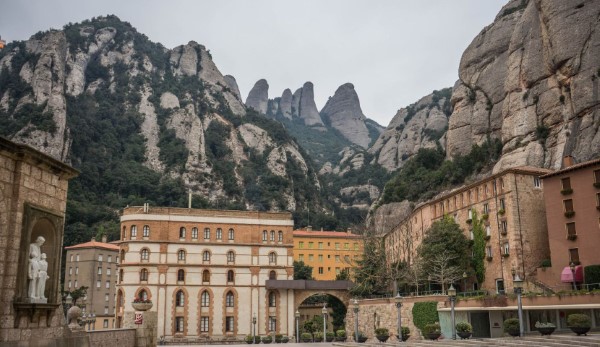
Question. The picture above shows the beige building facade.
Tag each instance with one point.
(205, 270)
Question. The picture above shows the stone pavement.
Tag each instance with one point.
(291, 344)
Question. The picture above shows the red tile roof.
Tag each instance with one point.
(95, 244)
(573, 168)
(314, 233)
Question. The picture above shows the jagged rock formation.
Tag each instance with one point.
(303, 106)
(420, 125)
(342, 111)
(232, 84)
(259, 96)
(531, 79)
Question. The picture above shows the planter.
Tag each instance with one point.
(546, 330)
(362, 339)
(329, 338)
(249, 342)
(340, 339)
(433, 336)
(513, 332)
(306, 340)
(580, 330)
(382, 338)
(141, 306)
(404, 337)
(464, 334)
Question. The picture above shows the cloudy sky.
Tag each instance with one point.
(393, 51)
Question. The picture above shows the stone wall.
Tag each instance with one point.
(112, 338)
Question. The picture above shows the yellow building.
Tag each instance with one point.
(328, 252)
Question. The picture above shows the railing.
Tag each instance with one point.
(427, 293)
(472, 293)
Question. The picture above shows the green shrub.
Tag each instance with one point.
(267, 339)
(256, 339)
(340, 333)
(278, 338)
(285, 339)
(592, 274)
(382, 332)
(330, 336)
(432, 328)
(306, 337)
(425, 313)
(579, 320)
(511, 324)
(544, 325)
(464, 327)
(249, 338)
(546, 263)
(405, 333)
(318, 336)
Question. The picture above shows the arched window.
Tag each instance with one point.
(122, 256)
(229, 299)
(205, 276)
(180, 299)
(145, 254)
(272, 275)
(264, 235)
(219, 234)
(230, 257)
(280, 236)
(144, 275)
(273, 258)
(230, 276)
(121, 276)
(143, 295)
(194, 233)
(205, 299)
(231, 234)
(206, 256)
(146, 231)
(123, 235)
(133, 231)
(272, 299)
(272, 235)
(180, 275)
(207, 233)
(182, 233)
(181, 254)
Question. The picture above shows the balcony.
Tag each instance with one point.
(567, 191)
(569, 214)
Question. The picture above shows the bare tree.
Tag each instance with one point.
(414, 274)
(441, 270)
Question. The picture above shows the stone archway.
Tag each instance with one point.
(301, 295)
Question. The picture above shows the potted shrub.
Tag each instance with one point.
(511, 326)
(579, 323)
(140, 304)
(256, 339)
(285, 339)
(329, 336)
(362, 337)
(249, 339)
(464, 330)
(267, 339)
(340, 335)
(432, 331)
(545, 328)
(318, 336)
(306, 337)
(278, 338)
(382, 334)
(405, 334)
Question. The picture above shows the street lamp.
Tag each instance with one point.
(324, 311)
(355, 309)
(398, 300)
(452, 296)
(67, 303)
(254, 327)
(518, 284)
(92, 321)
(572, 266)
(297, 328)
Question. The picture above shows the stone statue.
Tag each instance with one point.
(33, 273)
(42, 277)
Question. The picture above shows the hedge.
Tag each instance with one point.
(425, 313)
(592, 274)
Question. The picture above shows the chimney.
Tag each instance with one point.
(104, 238)
(349, 231)
(567, 161)
(309, 228)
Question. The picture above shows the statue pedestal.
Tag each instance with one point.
(35, 301)
(145, 333)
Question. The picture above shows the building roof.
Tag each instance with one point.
(315, 233)
(95, 244)
(573, 168)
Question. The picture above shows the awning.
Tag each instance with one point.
(566, 275)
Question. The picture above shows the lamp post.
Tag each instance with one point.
(518, 284)
(355, 309)
(465, 281)
(398, 300)
(254, 327)
(297, 327)
(572, 266)
(67, 303)
(452, 297)
(92, 321)
(324, 311)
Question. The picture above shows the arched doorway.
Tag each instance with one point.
(310, 311)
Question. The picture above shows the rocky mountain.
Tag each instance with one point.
(258, 97)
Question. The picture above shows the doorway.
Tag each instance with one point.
(481, 324)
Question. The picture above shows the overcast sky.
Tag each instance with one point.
(394, 52)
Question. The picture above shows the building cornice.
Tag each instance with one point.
(207, 219)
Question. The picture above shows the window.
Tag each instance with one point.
(347, 259)
(146, 231)
(505, 249)
(571, 231)
(204, 321)
(265, 233)
(207, 233)
(219, 234)
(205, 299)
(301, 244)
(182, 233)
(472, 235)
(597, 176)
(98, 284)
(230, 234)
(229, 299)
(205, 276)
(181, 254)
(229, 324)
(107, 284)
(273, 258)
(486, 209)
(488, 251)
(568, 205)
(105, 323)
(356, 246)
(143, 275)
(120, 275)
(230, 257)
(502, 206)
(272, 275)
(272, 235)
(311, 257)
(346, 245)
(143, 295)
(76, 286)
(566, 183)
(179, 324)
(206, 256)
(106, 296)
(272, 323)
(180, 275)
(133, 231)
(280, 236)
(574, 255)
(337, 245)
(301, 257)
(69, 284)
(230, 276)
(320, 270)
(337, 270)
(337, 258)
(272, 299)
(100, 271)
(71, 257)
(598, 201)
(110, 258)
(320, 258)
(70, 271)
(100, 258)
(194, 233)
(145, 254)
(537, 182)
(310, 244)
(503, 227)
(470, 214)
(180, 299)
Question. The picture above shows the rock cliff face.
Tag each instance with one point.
(259, 96)
(306, 109)
(343, 112)
(531, 79)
